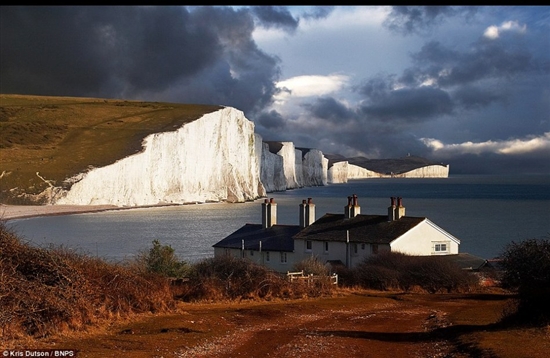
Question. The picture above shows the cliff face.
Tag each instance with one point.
(271, 170)
(338, 173)
(357, 172)
(218, 157)
(210, 159)
(314, 168)
(430, 171)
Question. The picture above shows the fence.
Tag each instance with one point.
(301, 277)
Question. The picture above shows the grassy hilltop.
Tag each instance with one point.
(59, 137)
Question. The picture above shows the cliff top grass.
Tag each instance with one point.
(59, 137)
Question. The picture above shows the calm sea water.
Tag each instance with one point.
(485, 212)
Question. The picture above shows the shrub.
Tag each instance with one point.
(43, 291)
(231, 278)
(394, 270)
(526, 268)
(162, 260)
(312, 265)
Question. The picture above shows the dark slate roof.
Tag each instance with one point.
(275, 238)
(371, 229)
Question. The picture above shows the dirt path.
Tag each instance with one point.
(366, 324)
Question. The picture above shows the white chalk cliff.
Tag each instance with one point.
(217, 157)
(210, 159)
(271, 170)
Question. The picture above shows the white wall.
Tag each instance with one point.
(274, 263)
(421, 239)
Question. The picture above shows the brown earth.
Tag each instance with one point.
(350, 324)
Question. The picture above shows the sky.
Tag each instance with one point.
(465, 86)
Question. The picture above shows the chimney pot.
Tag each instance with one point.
(400, 209)
(307, 213)
(269, 213)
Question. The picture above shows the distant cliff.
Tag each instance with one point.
(218, 157)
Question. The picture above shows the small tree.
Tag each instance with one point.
(527, 270)
(161, 259)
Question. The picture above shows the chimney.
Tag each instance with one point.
(391, 209)
(352, 209)
(269, 213)
(400, 209)
(307, 213)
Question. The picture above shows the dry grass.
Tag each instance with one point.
(49, 291)
(60, 137)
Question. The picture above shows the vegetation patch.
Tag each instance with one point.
(526, 270)
(47, 291)
(397, 271)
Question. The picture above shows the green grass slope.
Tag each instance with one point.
(59, 137)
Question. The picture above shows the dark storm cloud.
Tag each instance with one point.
(275, 16)
(134, 52)
(330, 109)
(486, 59)
(472, 97)
(271, 120)
(408, 105)
(414, 19)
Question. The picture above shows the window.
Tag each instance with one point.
(362, 246)
(354, 248)
(308, 245)
(441, 247)
(283, 257)
(374, 248)
(251, 252)
(267, 255)
(326, 246)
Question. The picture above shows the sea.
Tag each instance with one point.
(486, 213)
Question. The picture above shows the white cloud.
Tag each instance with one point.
(307, 86)
(506, 147)
(493, 32)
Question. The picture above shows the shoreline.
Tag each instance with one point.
(15, 212)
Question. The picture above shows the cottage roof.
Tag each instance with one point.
(274, 238)
(371, 229)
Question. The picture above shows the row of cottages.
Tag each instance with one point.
(346, 238)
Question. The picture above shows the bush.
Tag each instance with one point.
(526, 268)
(162, 260)
(43, 291)
(312, 265)
(226, 277)
(394, 270)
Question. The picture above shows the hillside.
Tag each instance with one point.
(46, 140)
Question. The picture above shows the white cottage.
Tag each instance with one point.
(346, 238)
